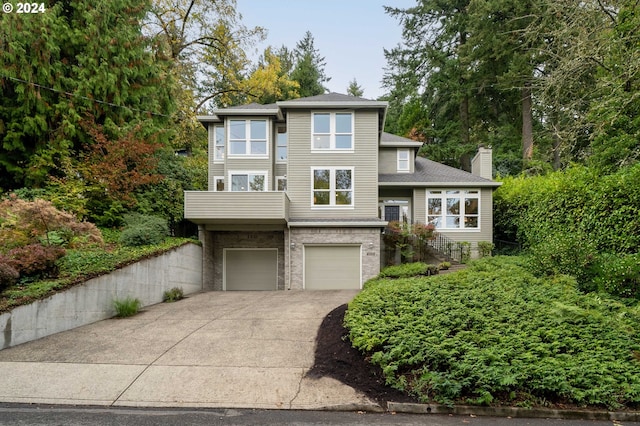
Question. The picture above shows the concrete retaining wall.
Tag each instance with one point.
(92, 301)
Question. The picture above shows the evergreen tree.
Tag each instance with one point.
(354, 89)
(78, 61)
(309, 68)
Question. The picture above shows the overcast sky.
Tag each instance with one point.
(350, 34)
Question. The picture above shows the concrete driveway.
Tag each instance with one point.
(216, 349)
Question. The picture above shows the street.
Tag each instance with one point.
(13, 414)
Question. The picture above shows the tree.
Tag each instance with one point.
(207, 44)
(78, 60)
(269, 81)
(354, 89)
(309, 68)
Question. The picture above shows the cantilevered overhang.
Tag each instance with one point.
(229, 208)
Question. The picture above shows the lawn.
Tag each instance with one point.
(79, 265)
(496, 334)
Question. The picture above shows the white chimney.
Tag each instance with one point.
(482, 163)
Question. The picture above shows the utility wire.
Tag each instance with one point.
(75, 95)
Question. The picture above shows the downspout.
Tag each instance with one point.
(289, 258)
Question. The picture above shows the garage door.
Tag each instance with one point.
(255, 269)
(331, 267)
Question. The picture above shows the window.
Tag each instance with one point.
(248, 181)
(403, 160)
(332, 131)
(453, 209)
(248, 137)
(281, 183)
(332, 187)
(281, 145)
(218, 137)
(218, 183)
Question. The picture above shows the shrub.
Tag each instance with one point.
(29, 222)
(126, 307)
(494, 331)
(485, 248)
(35, 260)
(444, 265)
(173, 295)
(619, 275)
(408, 270)
(144, 230)
(8, 274)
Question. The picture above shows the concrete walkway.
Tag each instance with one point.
(216, 349)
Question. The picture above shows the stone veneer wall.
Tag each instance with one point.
(369, 238)
(92, 301)
(244, 239)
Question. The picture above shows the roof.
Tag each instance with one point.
(332, 100)
(395, 141)
(431, 173)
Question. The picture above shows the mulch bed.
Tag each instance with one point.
(336, 358)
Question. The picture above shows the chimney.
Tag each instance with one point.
(482, 163)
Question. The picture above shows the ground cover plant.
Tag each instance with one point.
(496, 334)
(79, 265)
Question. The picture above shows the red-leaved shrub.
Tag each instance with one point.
(29, 222)
(8, 274)
(35, 260)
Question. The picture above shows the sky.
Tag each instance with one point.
(350, 34)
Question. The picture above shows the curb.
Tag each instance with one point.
(546, 413)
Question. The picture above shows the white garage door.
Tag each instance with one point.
(254, 269)
(331, 267)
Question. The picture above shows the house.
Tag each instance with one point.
(300, 191)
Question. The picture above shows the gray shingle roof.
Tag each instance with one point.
(429, 172)
(389, 139)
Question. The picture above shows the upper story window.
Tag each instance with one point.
(332, 131)
(218, 136)
(454, 209)
(248, 181)
(248, 137)
(403, 160)
(332, 187)
(281, 145)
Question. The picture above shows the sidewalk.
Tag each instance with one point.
(215, 349)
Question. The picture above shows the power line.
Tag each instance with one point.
(75, 95)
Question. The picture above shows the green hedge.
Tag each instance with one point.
(495, 333)
(568, 219)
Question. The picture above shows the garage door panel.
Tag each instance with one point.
(332, 267)
(251, 269)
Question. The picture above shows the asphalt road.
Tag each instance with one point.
(12, 414)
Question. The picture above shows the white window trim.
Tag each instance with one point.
(396, 201)
(332, 189)
(215, 183)
(278, 160)
(247, 140)
(443, 197)
(265, 173)
(408, 160)
(279, 178)
(332, 133)
(217, 160)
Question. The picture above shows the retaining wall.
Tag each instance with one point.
(92, 301)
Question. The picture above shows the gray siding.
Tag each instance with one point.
(364, 161)
(419, 205)
(387, 160)
(202, 205)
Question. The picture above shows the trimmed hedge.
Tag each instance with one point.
(569, 219)
(143, 230)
